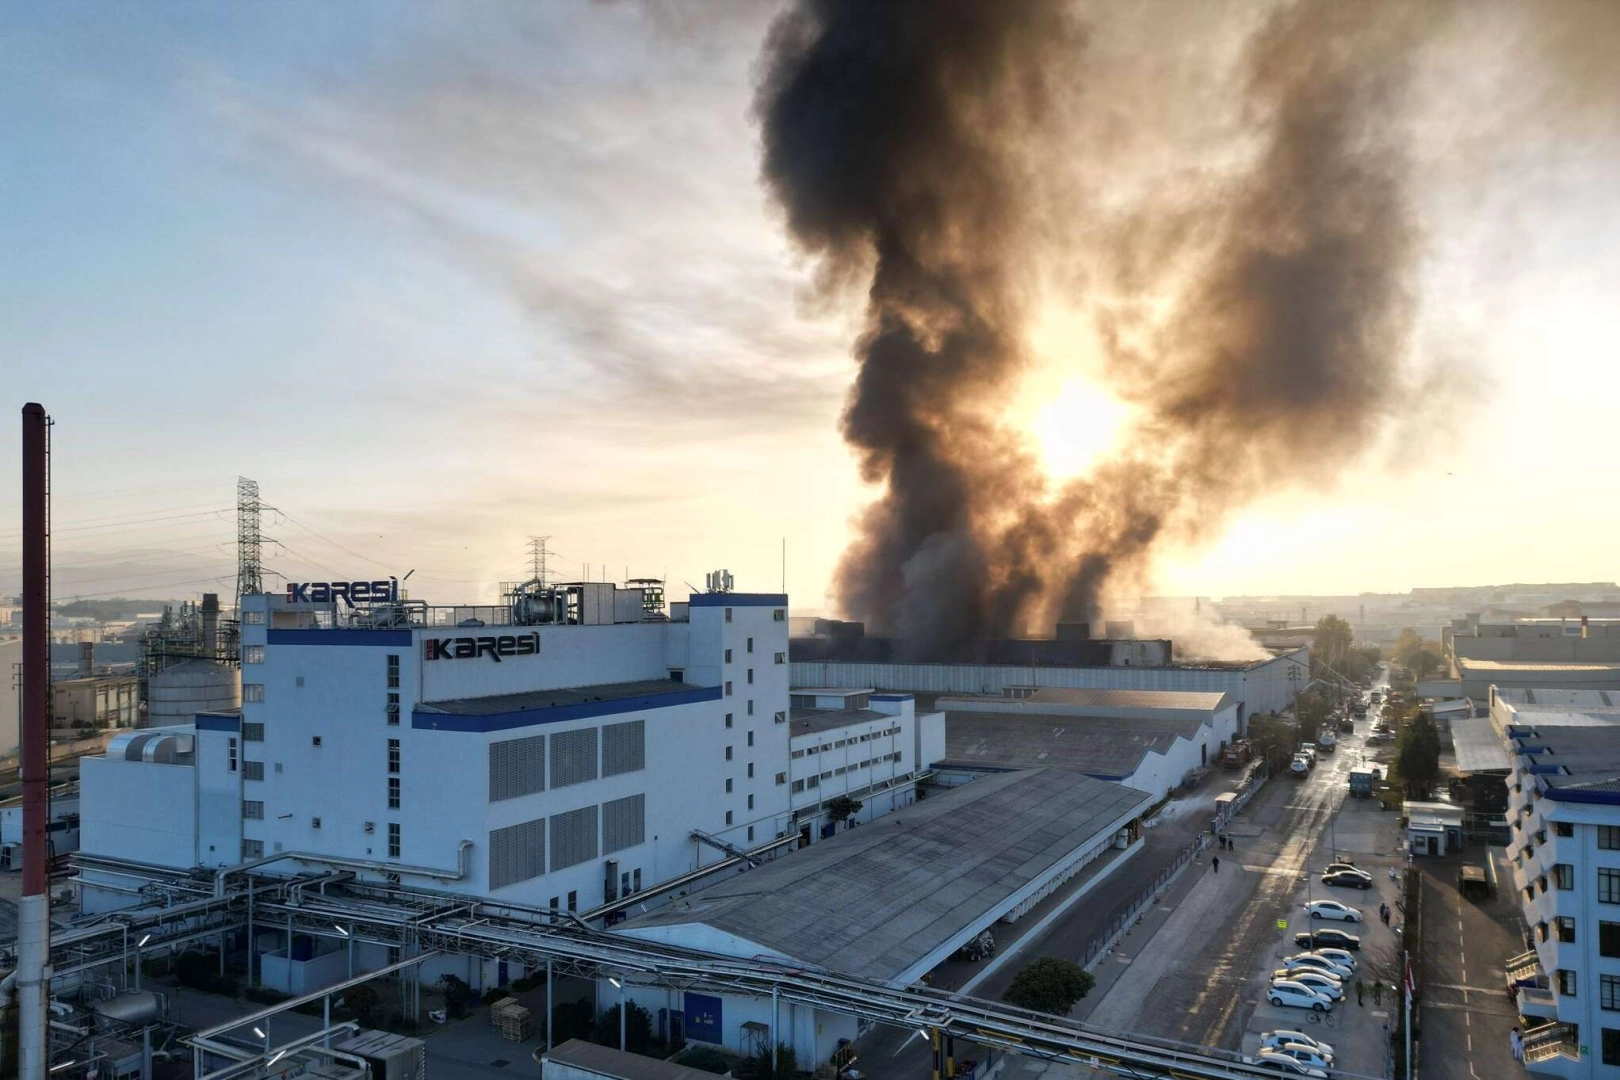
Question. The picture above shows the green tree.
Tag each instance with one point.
(843, 808)
(1333, 639)
(1407, 646)
(1417, 756)
(637, 1028)
(1314, 710)
(1050, 985)
(1424, 662)
(456, 995)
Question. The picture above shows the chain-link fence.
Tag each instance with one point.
(1130, 913)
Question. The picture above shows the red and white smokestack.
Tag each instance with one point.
(33, 909)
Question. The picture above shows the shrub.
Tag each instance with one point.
(1050, 985)
(456, 995)
(263, 995)
(362, 1004)
(637, 1028)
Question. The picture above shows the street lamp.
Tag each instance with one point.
(620, 987)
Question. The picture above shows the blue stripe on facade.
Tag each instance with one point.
(339, 637)
(893, 697)
(218, 722)
(437, 721)
(1612, 798)
(738, 599)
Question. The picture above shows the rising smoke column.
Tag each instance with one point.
(904, 141)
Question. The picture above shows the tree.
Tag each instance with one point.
(1424, 662)
(362, 1004)
(1417, 756)
(1050, 985)
(843, 808)
(1407, 646)
(456, 995)
(1314, 711)
(1333, 638)
(637, 1028)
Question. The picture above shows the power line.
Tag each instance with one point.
(105, 521)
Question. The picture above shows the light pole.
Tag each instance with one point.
(620, 985)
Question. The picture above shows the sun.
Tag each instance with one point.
(1076, 426)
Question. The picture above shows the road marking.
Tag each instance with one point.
(1466, 989)
(1470, 1037)
(1468, 1020)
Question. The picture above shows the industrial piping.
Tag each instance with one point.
(351, 864)
(33, 909)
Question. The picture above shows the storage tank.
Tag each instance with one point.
(177, 694)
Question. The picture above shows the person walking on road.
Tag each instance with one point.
(1216, 863)
(1516, 1043)
(1358, 991)
(1378, 992)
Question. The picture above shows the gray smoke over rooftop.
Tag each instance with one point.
(1259, 318)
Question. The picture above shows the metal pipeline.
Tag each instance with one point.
(352, 864)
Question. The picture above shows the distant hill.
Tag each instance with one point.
(111, 610)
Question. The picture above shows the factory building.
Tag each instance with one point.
(1260, 686)
(856, 744)
(890, 900)
(1146, 739)
(1477, 677)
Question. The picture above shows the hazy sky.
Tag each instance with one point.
(440, 277)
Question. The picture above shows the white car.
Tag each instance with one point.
(1299, 996)
(1305, 1055)
(1271, 1040)
(1316, 962)
(1332, 909)
(1284, 1065)
(1343, 957)
(1320, 981)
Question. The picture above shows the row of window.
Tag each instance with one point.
(853, 740)
(777, 614)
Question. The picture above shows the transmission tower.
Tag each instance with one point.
(538, 554)
(249, 571)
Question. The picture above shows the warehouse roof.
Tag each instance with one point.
(1485, 667)
(1479, 746)
(880, 899)
(1559, 698)
(617, 1064)
(551, 699)
(810, 721)
(1104, 747)
(1206, 701)
(1575, 764)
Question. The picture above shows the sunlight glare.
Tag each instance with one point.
(1076, 427)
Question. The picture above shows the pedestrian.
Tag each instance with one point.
(1378, 992)
(1216, 863)
(1516, 1043)
(1358, 991)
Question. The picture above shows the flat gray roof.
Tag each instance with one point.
(811, 721)
(878, 899)
(547, 699)
(1207, 701)
(1556, 698)
(1479, 746)
(619, 1065)
(1111, 747)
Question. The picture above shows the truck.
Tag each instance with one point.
(1237, 754)
(1361, 782)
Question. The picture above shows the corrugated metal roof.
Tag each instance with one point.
(1134, 699)
(811, 721)
(618, 1064)
(1096, 746)
(880, 899)
(1478, 746)
(1486, 666)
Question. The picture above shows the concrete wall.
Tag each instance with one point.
(10, 704)
(279, 972)
(1550, 649)
(138, 810)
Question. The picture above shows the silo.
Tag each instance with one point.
(178, 693)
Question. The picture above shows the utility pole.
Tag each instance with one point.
(34, 906)
(538, 553)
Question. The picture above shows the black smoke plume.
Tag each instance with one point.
(908, 144)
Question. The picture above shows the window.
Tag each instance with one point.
(750, 738)
(1566, 982)
(1609, 992)
(635, 879)
(781, 718)
(1608, 885)
(750, 806)
(1566, 929)
(813, 781)
(393, 840)
(1563, 828)
(750, 706)
(728, 785)
(798, 786)
(750, 644)
(573, 899)
(750, 834)
(253, 770)
(1609, 939)
(315, 740)
(252, 849)
(393, 671)
(728, 614)
(253, 733)
(624, 883)
(314, 822)
(393, 793)
(728, 719)
(750, 770)
(781, 778)
(253, 654)
(1611, 1046)
(750, 676)
(779, 615)
(252, 810)
(252, 618)
(728, 817)
(1608, 835)
(1564, 875)
(393, 756)
(556, 902)
(728, 689)
(230, 754)
(677, 675)
(252, 693)
(781, 658)
(728, 753)
(797, 754)
(392, 709)
(728, 656)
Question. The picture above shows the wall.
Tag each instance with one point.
(279, 972)
(1553, 648)
(10, 705)
(137, 810)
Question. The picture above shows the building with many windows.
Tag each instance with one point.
(872, 748)
(1564, 814)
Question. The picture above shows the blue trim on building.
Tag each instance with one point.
(1556, 794)
(486, 722)
(339, 637)
(218, 722)
(738, 599)
(894, 697)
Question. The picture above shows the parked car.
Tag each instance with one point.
(1320, 981)
(1327, 935)
(1306, 1055)
(1300, 766)
(1314, 962)
(1342, 957)
(1332, 909)
(1380, 738)
(1283, 1065)
(1298, 996)
(1349, 878)
(1270, 1040)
